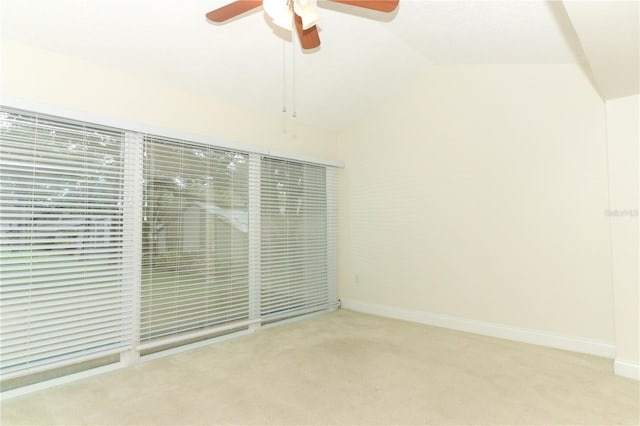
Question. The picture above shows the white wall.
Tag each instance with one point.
(475, 198)
(73, 84)
(622, 141)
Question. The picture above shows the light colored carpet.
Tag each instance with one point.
(346, 368)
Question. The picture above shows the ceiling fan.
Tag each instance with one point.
(302, 13)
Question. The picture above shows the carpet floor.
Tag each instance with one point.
(345, 368)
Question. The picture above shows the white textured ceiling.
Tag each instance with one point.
(364, 57)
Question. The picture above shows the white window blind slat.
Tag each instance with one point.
(55, 353)
(53, 253)
(49, 340)
(49, 266)
(190, 292)
(62, 279)
(15, 324)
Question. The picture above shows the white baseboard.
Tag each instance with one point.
(536, 337)
(628, 369)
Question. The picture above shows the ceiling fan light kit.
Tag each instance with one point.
(307, 10)
(301, 14)
(279, 12)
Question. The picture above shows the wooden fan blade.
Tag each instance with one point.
(379, 5)
(232, 10)
(309, 38)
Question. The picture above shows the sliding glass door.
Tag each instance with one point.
(116, 244)
(195, 259)
(65, 286)
(294, 261)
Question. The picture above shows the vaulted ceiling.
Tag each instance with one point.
(364, 56)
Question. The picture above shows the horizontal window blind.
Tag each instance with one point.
(297, 214)
(195, 268)
(65, 290)
(112, 240)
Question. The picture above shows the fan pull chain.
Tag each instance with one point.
(284, 76)
(293, 73)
